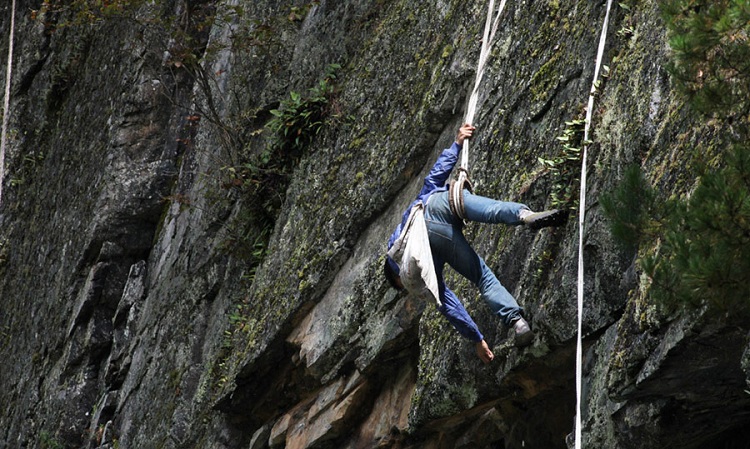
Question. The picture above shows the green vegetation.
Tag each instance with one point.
(299, 119)
(566, 166)
(263, 178)
(711, 62)
(707, 241)
(696, 248)
(48, 441)
(631, 210)
(701, 244)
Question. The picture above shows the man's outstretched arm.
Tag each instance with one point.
(454, 310)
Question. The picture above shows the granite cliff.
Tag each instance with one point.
(175, 274)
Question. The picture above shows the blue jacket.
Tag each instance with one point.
(436, 181)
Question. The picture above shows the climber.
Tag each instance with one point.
(448, 245)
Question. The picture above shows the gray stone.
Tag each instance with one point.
(143, 296)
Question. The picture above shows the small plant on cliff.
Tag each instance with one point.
(48, 441)
(299, 119)
(264, 177)
(565, 166)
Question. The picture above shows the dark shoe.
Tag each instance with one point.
(523, 335)
(538, 220)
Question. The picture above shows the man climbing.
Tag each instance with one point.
(448, 245)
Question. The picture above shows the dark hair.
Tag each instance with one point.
(391, 271)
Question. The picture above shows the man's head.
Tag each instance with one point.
(391, 271)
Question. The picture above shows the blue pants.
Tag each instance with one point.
(449, 246)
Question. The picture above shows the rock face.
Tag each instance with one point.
(143, 305)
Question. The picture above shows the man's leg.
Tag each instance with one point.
(487, 210)
(450, 246)
(468, 264)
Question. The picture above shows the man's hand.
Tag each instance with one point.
(484, 353)
(465, 132)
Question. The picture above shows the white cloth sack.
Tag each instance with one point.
(411, 251)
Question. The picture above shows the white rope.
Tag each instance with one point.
(6, 103)
(490, 27)
(581, 216)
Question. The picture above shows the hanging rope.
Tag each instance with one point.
(581, 216)
(490, 27)
(6, 103)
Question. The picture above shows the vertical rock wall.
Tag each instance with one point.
(134, 316)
